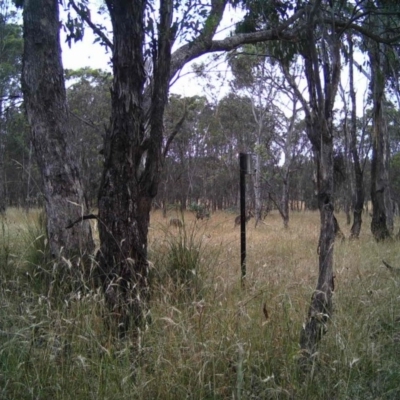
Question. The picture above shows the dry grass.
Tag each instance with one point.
(213, 342)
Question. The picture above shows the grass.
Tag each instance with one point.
(209, 339)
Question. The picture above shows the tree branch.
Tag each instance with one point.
(296, 89)
(175, 131)
(365, 32)
(199, 47)
(86, 122)
(96, 30)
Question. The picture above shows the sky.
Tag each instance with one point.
(86, 53)
(89, 54)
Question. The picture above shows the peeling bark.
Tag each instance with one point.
(46, 106)
(132, 165)
(319, 115)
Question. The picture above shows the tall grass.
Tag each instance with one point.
(208, 339)
(184, 262)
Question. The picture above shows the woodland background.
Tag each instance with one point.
(201, 167)
(131, 293)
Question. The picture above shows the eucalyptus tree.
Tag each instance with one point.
(51, 135)
(358, 201)
(382, 214)
(143, 66)
(320, 52)
(319, 47)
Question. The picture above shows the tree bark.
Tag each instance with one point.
(2, 153)
(321, 302)
(257, 181)
(285, 198)
(358, 204)
(48, 116)
(132, 161)
(319, 112)
(288, 150)
(382, 214)
(319, 117)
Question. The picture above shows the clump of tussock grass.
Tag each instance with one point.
(182, 259)
(55, 279)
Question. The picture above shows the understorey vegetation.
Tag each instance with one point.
(131, 260)
(207, 337)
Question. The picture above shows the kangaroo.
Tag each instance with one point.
(176, 222)
(249, 216)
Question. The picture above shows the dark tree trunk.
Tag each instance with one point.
(132, 162)
(382, 213)
(2, 153)
(358, 172)
(46, 107)
(285, 200)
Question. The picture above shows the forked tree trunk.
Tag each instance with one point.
(132, 162)
(319, 117)
(283, 204)
(320, 133)
(51, 136)
(124, 205)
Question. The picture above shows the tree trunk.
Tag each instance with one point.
(321, 302)
(382, 213)
(28, 201)
(285, 199)
(46, 107)
(257, 185)
(358, 172)
(132, 161)
(286, 167)
(319, 116)
(2, 153)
